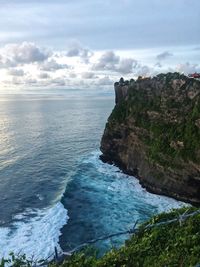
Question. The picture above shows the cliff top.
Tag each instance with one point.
(169, 84)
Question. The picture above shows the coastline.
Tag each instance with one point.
(146, 186)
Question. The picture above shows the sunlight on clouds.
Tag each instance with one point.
(27, 65)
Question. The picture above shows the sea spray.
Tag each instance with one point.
(34, 233)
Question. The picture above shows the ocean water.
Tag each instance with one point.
(54, 190)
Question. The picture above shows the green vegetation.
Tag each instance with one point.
(168, 245)
(168, 115)
(16, 261)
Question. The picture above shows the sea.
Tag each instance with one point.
(54, 189)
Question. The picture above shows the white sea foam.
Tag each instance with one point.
(129, 185)
(36, 233)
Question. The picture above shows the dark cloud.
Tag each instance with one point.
(164, 55)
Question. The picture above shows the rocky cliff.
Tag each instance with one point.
(153, 133)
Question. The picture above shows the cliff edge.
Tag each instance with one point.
(153, 133)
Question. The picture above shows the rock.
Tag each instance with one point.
(153, 133)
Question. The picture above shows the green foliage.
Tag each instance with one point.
(173, 135)
(16, 261)
(166, 245)
(119, 113)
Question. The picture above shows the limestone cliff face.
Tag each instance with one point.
(153, 133)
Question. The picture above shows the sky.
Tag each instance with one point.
(91, 43)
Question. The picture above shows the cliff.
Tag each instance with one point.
(153, 133)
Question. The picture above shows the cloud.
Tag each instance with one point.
(15, 81)
(126, 65)
(31, 81)
(19, 81)
(74, 52)
(143, 71)
(72, 75)
(28, 53)
(164, 55)
(78, 51)
(16, 72)
(188, 68)
(44, 75)
(112, 62)
(28, 63)
(88, 75)
(158, 64)
(104, 81)
(52, 65)
(24, 53)
(107, 61)
(58, 81)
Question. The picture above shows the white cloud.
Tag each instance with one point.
(28, 64)
(188, 68)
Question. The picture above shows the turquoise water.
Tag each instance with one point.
(54, 190)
